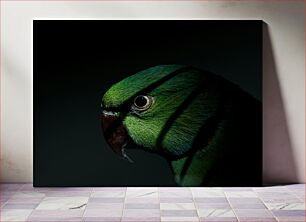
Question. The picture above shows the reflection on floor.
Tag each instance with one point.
(22, 202)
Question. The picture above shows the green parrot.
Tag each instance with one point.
(207, 128)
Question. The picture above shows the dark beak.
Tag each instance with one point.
(114, 133)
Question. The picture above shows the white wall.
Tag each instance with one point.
(284, 79)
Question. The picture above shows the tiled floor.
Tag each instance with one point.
(22, 202)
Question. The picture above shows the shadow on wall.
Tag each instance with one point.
(278, 160)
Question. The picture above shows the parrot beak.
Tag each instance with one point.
(114, 133)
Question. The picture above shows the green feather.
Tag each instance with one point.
(190, 122)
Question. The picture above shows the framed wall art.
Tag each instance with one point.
(147, 102)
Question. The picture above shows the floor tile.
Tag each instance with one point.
(22, 202)
(32, 200)
(142, 200)
(14, 214)
(285, 206)
(104, 206)
(3, 200)
(140, 219)
(141, 192)
(101, 219)
(299, 194)
(20, 206)
(141, 206)
(178, 213)
(103, 213)
(276, 194)
(57, 213)
(175, 189)
(280, 200)
(106, 200)
(218, 219)
(117, 193)
(176, 200)
(109, 189)
(207, 192)
(10, 186)
(68, 193)
(179, 219)
(141, 213)
(216, 213)
(289, 213)
(236, 205)
(237, 189)
(280, 189)
(175, 193)
(54, 219)
(62, 203)
(224, 205)
(240, 194)
(65, 189)
(7, 193)
(276, 197)
(255, 213)
(29, 187)
(244, 200)
(177, 206)
(254, 219)
(210, 200)
(27, 194)
(291, 219)
(2, 204)
(296, 187)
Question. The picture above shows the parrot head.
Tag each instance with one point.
(160, 109)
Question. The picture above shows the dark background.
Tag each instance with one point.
(75, 62)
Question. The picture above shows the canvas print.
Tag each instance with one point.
(147, 103)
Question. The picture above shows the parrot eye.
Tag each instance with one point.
(142, 103)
